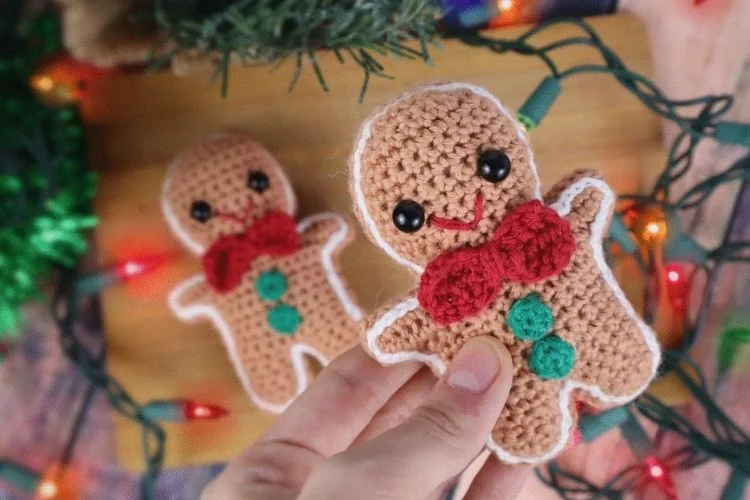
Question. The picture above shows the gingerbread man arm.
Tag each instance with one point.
(608, 322)
(331, 232)
(325, 228)
(192, 298)
(581, 197)
(403, 332)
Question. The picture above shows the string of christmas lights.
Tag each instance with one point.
(46, 198)
(65, 305)
(67, 300)
(647, 228)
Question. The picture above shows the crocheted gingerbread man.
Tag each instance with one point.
(444, 181)
(269, 284)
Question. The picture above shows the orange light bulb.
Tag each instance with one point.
(655, 230)
(47, 489)
(42, 83)
(648, 223)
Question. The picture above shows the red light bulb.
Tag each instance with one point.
(675, 274)
(201, 411)
(658, 473)
(131, 268)
(576, 438)
(677, 283)
(655, 471)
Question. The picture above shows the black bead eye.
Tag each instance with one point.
(493, 166)
(201, 211)
(408, 216)
(258, 181)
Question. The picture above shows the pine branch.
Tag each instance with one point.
(271, 31)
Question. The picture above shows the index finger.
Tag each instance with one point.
(436, 443)
(498, 480)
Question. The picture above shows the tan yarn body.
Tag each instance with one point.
(216, 171)
(425, 147)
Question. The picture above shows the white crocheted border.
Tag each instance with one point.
(366, 133)
(297, 351)
(562, 206)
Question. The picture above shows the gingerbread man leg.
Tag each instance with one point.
(535, 423)
(272, 380)
(275, 379)
(616, 352)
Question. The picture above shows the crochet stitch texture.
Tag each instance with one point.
(531, 243)
(424, 146)
(530, 318)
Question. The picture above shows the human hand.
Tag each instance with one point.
(364, 431)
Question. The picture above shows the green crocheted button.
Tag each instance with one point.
(284, 319)
(271, 285)
(530, 318)
(552, 358)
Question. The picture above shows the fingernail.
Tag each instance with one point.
(475, 367)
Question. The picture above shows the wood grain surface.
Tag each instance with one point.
(139, 122)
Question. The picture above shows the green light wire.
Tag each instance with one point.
(727, 438)
(65, 309)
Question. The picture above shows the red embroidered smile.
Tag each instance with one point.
(236, 218)
(460, 225)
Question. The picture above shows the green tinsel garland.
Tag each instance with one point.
(45, 186)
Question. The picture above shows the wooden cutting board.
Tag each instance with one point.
(138, 122)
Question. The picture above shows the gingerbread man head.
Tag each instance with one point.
(437, 168)
(221, 188)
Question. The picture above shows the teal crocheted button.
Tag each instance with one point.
(530, 318)
(271, 285)
(552, 358)
(284, 319)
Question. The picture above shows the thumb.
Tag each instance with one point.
(437, 442)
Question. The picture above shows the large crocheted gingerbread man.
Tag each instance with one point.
(444, 181)
(269, 284)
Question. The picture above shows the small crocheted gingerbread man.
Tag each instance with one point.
(444, 181)
(269, 284)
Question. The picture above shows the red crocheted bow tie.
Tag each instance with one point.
(228, 259)
(531, 243)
